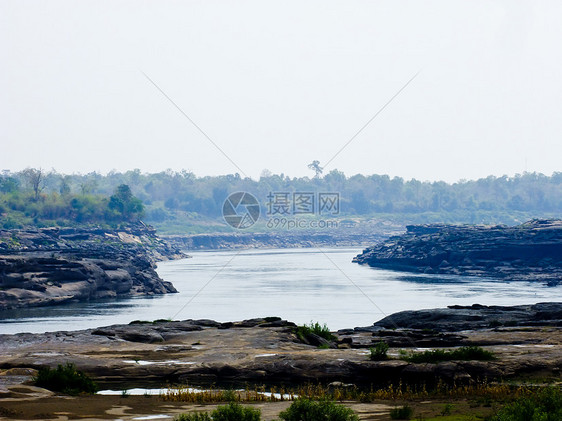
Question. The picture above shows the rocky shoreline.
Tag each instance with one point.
(268, 351)
(267, 355)
(475, 317)
(59, 265)
(241, 240)
(528, 252)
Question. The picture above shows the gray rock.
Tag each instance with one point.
(458, 318)
(528, 252)
(145, 337)
(54, 266)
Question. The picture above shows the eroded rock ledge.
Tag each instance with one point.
(528, 252)
(267, 351)
(475, 317)
(52, 266)
(347, 233)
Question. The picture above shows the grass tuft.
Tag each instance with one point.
(66, 379)
(321, 330)
(465, 353)
(402, 413)
(378, 353)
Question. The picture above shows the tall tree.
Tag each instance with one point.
(36, 180)
(315, 166)
(124, 203)
(65, 186)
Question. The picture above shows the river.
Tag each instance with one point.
(300, 285)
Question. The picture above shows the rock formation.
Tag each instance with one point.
(57, 265)
(342, 237)
(458, 318)
(268, 351)
(528, 252)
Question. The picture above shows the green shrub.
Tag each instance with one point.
(378, 353)
(403, 413)
(465, 353)
(231, 412)
(66, 379)
(309, 410)
(447, 409)
(544, 406)
(236, 412)
(321, 330)
(11, 223)
(194, 416)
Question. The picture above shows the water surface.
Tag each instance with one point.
(297, 284)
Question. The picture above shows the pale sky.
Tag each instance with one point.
(277, 84)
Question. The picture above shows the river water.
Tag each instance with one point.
(300, 285)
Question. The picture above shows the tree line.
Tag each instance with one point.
(170, 195)
(28, 198)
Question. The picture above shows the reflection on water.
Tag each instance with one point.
(439, 279)
(297, 284)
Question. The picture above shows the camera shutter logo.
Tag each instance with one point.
(241, 210)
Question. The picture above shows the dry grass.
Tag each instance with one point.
(482, 391)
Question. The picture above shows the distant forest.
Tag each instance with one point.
(180, 202)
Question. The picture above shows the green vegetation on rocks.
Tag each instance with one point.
(465, 353)
(314, 328)
(66, 379)
(378, 353)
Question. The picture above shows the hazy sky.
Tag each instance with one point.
(277, 84)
